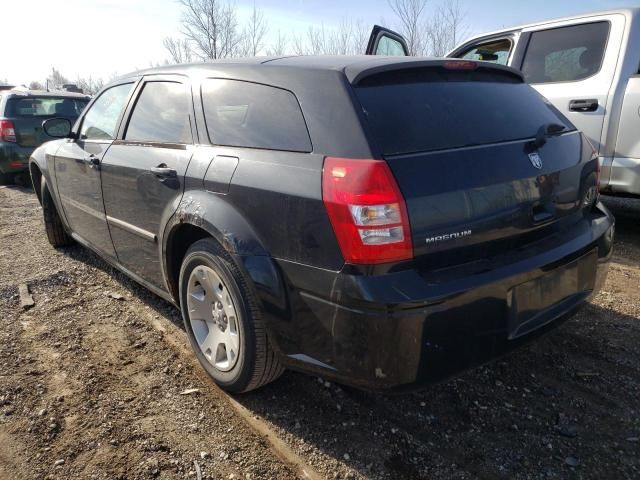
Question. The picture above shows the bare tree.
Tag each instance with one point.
(254, 33)
(179, 49)
(279, 48)
(445, 29)
(457, 19)
(34, 85)
(212, 28)
(90, 85)
(410, 14)
(299, 45)
(56, 79)
(317, 41)
(360, 37)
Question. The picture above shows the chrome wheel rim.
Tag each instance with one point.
(213, 319)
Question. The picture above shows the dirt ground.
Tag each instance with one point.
(94, 383)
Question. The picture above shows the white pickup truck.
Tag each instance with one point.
(588, 67)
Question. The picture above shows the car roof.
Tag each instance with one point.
(354, 67)
(45, 93)
(629, 12)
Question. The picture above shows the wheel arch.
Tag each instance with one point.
(202, 214)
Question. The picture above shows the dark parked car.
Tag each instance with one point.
(21, 115)
(383, 222)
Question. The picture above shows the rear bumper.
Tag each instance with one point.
(14, 158)
(408, 328)
(622, 176)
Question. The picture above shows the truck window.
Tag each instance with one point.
(494, 52)
(565, 54)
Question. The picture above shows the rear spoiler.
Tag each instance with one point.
(357, 72)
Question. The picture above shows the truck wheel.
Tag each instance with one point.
(223, 321)
(56, 233)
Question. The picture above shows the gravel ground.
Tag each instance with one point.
(91, 383)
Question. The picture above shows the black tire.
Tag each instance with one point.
(257, 363)
(6, 179)
(56, 233)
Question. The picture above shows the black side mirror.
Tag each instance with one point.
(57, 127)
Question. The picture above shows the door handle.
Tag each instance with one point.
(92, 161)
(587, 105)
(163, 171)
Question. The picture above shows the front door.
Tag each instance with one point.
(386, 42)
(77, 168)
(143, 172)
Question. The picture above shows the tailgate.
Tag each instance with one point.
(462, 146)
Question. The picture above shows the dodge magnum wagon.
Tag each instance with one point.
(383, 222)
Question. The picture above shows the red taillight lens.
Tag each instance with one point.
(594, 155)
(7, 131)
(367, 211)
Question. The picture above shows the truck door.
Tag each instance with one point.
(386, 42)
(573, 65)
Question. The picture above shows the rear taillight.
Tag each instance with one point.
(367, 211)
(7, 131)
(592, 190)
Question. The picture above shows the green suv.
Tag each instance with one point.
(21, 115)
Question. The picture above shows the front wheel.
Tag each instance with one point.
(223, 322)
(56, 233)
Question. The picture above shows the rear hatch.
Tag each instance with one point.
(27, 112)
(460, 139)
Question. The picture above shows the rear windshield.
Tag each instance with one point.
(45, 106)
(438, 109)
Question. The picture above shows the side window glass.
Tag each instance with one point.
(101, 120)
(494, 52)
(244, 114)
(566, 54)
(161, 114)
(389, 46)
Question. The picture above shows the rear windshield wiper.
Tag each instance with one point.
(548, 130)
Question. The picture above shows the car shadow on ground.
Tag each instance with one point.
(490, 420)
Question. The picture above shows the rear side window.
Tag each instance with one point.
(161, 114)
(438, 109)
(45, 107)
(244, 114)
(566, 54)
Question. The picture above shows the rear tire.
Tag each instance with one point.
(221, 315)
(6, 178)
(56, 233)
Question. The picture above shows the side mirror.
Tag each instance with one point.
(57, 127)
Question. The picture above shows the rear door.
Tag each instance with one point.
(461, 146)
(143, 172)
(386, 42)
(573, 64)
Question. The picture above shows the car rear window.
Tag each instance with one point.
(434, 109)
(245, 114)
(45, 106)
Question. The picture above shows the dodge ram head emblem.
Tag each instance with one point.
(536, 161)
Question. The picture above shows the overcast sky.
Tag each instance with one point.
(104, 37)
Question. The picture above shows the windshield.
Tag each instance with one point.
(45, 106)
(443, 109)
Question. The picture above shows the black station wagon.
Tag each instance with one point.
(384, 222)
